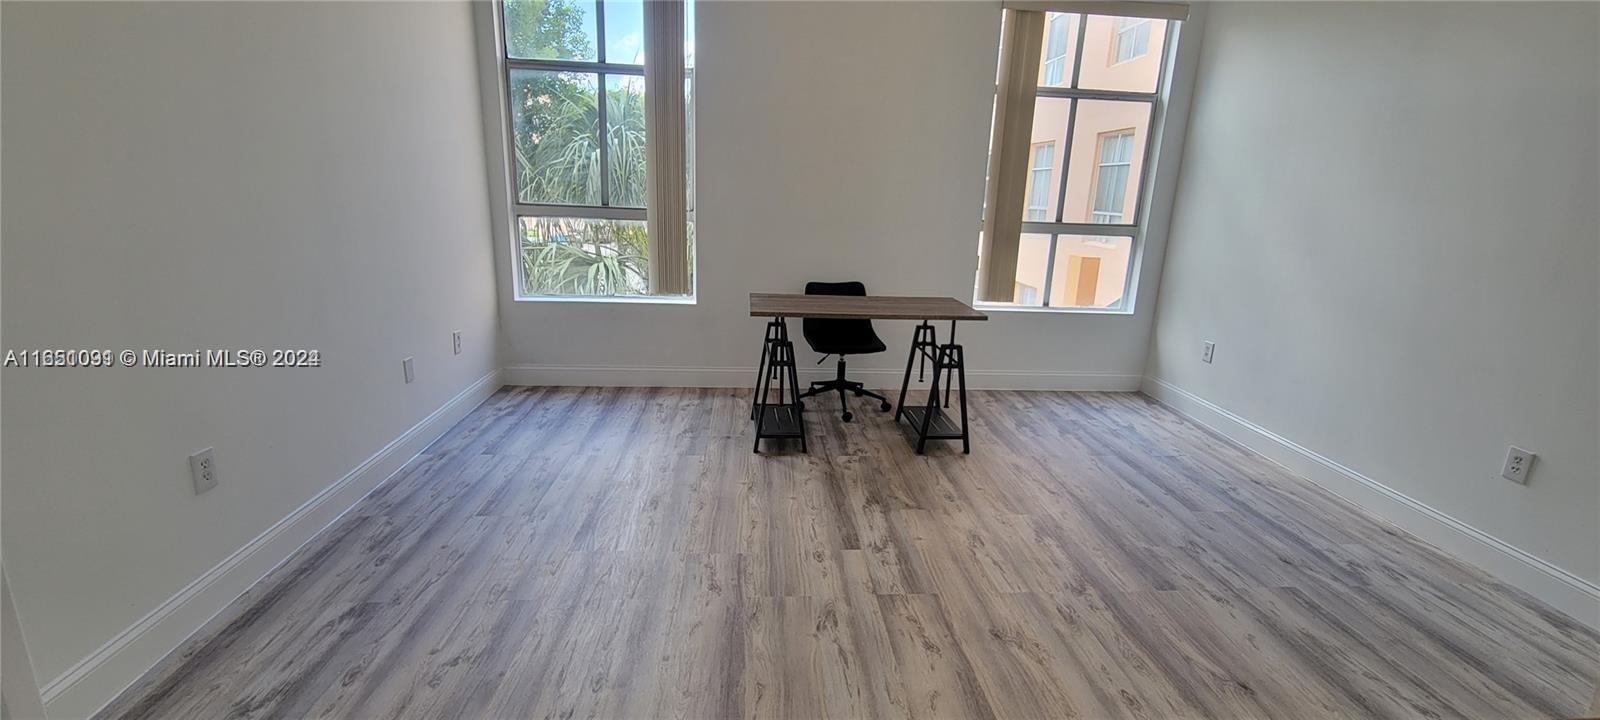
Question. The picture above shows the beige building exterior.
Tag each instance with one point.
(1102, 166)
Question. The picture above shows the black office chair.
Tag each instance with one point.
(841, 337)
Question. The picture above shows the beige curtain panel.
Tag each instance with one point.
(1020, 43)
(667, 218)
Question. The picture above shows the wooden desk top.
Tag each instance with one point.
(864, 307)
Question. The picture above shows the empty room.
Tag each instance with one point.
(628, 359)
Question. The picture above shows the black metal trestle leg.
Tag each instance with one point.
(930, 420)
(761, 367)
(781, 419)
(921, 340)
(932, 407)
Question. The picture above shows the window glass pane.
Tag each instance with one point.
(550, 29)
(583, 256)
(1039, 185)
(556, 133)
(1111, 178)
(688, 33)
(1107, 154)
(1089, 271)
(624, 32)
(1132, 39)
(1122, 53)
(1033, 256)
(625, 139)
(689, 142)
(1060, 44)
(1049, 131)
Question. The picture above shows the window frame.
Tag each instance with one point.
(1136, 229)
(600, 68)
(496, 58)
(1118, 29)
(1066, 22)
(1049, 175)
(1100, 166)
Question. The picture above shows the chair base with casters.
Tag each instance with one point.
(840, 385)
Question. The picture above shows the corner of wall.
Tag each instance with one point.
(97, 679)
(1569, 593)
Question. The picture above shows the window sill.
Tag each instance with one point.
(1002, 308)
(610, 299)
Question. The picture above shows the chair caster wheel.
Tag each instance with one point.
(886, 407)
(848, 417)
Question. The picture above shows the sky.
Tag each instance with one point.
(625, 30)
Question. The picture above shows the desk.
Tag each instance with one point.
(784, 417)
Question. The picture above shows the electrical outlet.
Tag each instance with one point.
(411, 373)
(455, 341)
(1210, 350)
(203, 468)
(1519, 463)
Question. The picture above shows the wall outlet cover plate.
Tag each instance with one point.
(203, 469)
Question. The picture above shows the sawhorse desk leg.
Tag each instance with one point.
(949, 362)
(781, 419)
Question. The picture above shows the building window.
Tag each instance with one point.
(1044, 161)
(1111, 176)
(1055, 51)
(1132, 39)
(1075, 233)
(584, 132)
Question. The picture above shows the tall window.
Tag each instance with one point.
(1044, 161)
(1055, 51)
(1111, 176)
(1071, 235)
(1132, 39)
(596, 133)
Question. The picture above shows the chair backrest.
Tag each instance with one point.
(827, 330)
(839, 288)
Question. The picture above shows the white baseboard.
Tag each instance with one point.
(745, 377)
(1562, 590)
(97, 679)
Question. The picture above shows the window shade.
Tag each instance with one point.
(1020, 46)
(1120, 8)
(665, 149)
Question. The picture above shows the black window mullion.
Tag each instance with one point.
(574, 66)
(1066, 159)
(600, 29)
(1049, 271)
(600, 100)
(604, 144)
(1077, 53)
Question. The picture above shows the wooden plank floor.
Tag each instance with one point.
(620, 553)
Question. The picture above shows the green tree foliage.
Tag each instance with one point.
(547, 30)
(576, 256)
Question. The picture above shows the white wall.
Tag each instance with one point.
(191, 175)
(836, 140)
(1387, 222)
